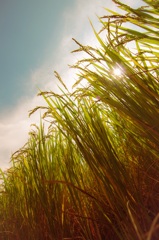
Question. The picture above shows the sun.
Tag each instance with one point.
(117, 72)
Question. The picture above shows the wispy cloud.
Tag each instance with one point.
(14, 128)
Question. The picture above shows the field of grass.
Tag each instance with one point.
(94, 175)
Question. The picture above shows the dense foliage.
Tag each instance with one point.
(94, 174)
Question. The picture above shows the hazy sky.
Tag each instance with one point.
(36, 39)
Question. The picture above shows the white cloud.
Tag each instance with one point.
(15, 124)
(14, 128)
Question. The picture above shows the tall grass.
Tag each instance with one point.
(94, 174)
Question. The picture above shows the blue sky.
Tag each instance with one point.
(27, 30)
(36, 39)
